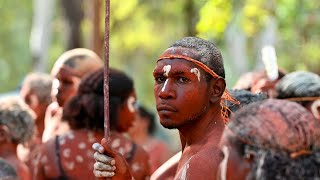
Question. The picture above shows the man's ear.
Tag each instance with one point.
(218, 86)
(4, 134)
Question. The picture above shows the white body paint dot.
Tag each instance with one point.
(196, 72)
(66, 153)
(82, 145)
(135, 167)
(115, 143)
(70, 165)
(91, 137)
(79, 159)
(70, 135)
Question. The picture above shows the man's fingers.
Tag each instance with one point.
(103, 167)
(98, 147)
(104, 158)
(103, 173)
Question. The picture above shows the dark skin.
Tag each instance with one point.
(187, 101)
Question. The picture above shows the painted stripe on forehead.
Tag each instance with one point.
(225, 96)
(198, 63)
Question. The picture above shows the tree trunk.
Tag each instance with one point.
(41, 33)
(73, 12)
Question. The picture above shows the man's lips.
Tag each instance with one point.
(166, 107)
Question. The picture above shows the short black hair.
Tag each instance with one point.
(208, 53)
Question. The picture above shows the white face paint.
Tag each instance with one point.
(130, 104)
(166, 69)
(196, 72)
(164, 86)
(82, 145)
(224, 163)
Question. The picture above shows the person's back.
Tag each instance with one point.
(69, 155)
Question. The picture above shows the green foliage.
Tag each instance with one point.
(15, 58)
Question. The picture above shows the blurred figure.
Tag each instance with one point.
(68, 70)
(16, 126)
(258, 81)
(272, 139)
(303, 88)
(245, 98)
(262, 83)
(69, 156)
(7, 172)
(142, 133)
(36, 92)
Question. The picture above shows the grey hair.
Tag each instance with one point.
(40, 84)
(7, 171)
(299, 84)
(18, 118)
(208, 53)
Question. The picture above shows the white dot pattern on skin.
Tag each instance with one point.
(121, 151)
(70, 165)
(66, 153)
(70, 135)
(115, 143)
(79, 159)
(91, 137)
(127, 147)
(62, 140)
(82, 145)
(135, 167)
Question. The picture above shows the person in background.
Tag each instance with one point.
(67, 72)
(69, 156)
(36, 93)
(301, 87)
(16, 127)
(142, 133)
(272, 139)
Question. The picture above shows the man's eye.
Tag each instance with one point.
(183, 79)
(160, 79)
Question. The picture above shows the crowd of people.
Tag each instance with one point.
(259, 129)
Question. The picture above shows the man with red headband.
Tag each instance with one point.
(189, 89)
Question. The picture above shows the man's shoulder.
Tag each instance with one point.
(203, 164)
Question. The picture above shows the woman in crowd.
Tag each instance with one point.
(142, 133)
(69, 156)
(273, 139)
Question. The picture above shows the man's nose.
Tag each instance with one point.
(168, 90)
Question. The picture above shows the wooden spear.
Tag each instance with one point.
(106, 72)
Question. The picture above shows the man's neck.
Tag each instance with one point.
(211, 124)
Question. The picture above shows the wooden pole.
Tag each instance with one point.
(106, 71)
